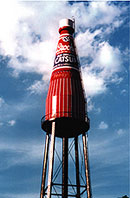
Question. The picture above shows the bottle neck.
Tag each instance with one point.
(66, 30)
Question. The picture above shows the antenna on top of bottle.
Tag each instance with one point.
(73, 19)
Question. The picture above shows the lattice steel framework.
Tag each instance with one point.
(71, 153)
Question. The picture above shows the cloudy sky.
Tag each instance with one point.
(28, 39)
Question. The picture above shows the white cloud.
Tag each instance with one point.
(103, 70)
(93, 84)
(11, 122)
(91, 106)
(109, 59)
(121, 132)
(10, 24)
(24, 153)
(1, 124)
(9, 110)
(3, 109)
(103, 125)
(103, 13)
(1, 101)
(98, 110)
(38, 87)
(29, 35)
(96, 13)
(123, 92)
(107, 152)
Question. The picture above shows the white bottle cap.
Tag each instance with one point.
(66, 23)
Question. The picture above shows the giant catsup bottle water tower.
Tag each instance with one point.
(66, 115)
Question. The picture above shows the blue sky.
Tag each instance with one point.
(28, 39)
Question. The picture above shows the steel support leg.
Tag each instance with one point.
(44, 165)
(89, 194)
(77, 167)
(51, 160)
(65, 168)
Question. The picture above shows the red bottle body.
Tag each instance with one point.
(65, 102)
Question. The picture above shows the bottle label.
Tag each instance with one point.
(65, 53)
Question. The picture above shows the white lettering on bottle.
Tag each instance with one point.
(65, 59)
(62, 48)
